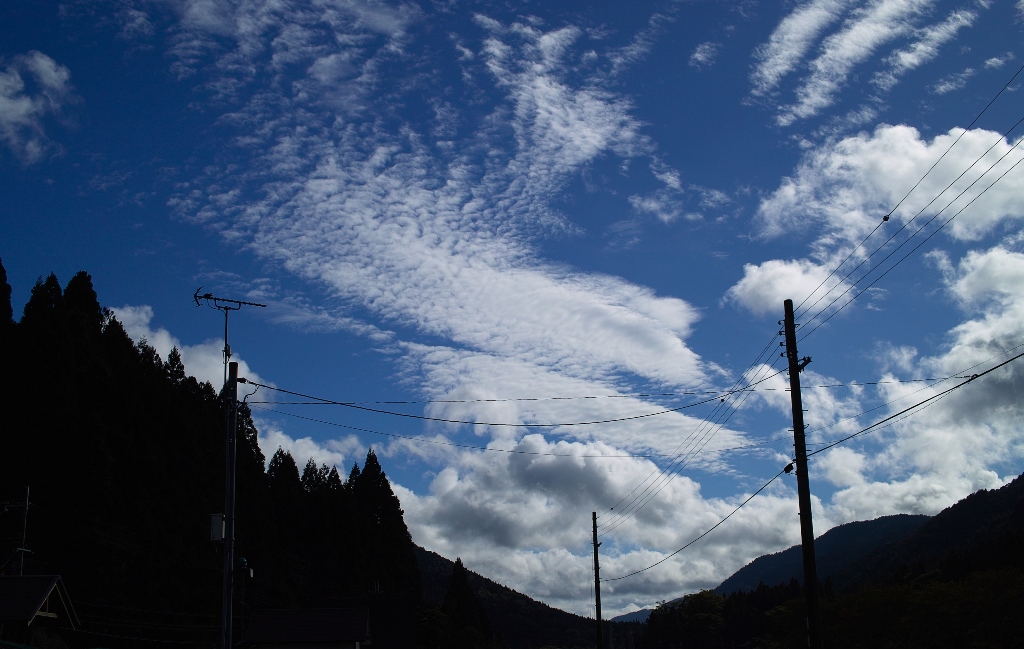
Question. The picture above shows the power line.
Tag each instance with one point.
(874, 426)
(905, 196)
(934, 397)
(915, 248)
(907, 224)
(708, 531)
(705, 432)
(716, 393)
(487, 448)
(669, 475)
(479, 423)
(934, 382)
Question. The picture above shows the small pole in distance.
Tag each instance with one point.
(597, 583)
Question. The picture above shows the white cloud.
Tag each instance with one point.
(791, 40)
(623, 58)
(340, 453)
(204, 361)
(704, 55)
(661, 204)
(764, 287)
(868, 28)
(441, 244)
(924, 49)
(952, 82)
(536, 511)
(843, 189)
(999, 61)
(32, 87)
(843, 467)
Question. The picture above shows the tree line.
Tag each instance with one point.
(124, 454)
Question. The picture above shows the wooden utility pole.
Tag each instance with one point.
(597, 583)
(796, 365)
(230, 455)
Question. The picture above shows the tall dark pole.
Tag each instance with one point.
(803, 487)
(228, 305)
(24, 536)
(597, 584)
(231, 425)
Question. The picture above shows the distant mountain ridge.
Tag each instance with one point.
(955, 581)
(983, 531)
(515, 618)
(835, 550)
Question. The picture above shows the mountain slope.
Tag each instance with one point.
(835, 550)
(982, 531)
(514, 617)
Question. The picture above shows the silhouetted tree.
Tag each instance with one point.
(467, 622)
(393, 561)
(6, 312)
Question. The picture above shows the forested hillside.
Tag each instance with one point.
(124, 455)
(956, 581)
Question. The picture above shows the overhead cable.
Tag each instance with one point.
(905, 197)
(438, 442)
(867, 429)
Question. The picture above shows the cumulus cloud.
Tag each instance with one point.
(484, 501)
(662, 204)
(340, 452)
(999, 61)
(843, 188)
(764, 287)
(33, 87)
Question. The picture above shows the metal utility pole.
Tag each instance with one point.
(796, 365)
(227, 306)
(597, 583)
(231, 426)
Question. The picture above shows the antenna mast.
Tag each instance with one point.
(227, 306)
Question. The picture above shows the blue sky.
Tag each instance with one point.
(465, 205)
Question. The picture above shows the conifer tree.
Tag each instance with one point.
(467, 621)
(353, 477)
(6, 312)
(82, 304)
(44, 303)
(394, 560)
(175, 368)
(283, 473)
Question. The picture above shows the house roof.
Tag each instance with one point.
(309, 625)
(23, 597)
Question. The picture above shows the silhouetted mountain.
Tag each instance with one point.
(980, 532)
(956, 581)
(835, 550)
(635, 616)
(515, 619)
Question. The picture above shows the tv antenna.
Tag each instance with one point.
(227, 306)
